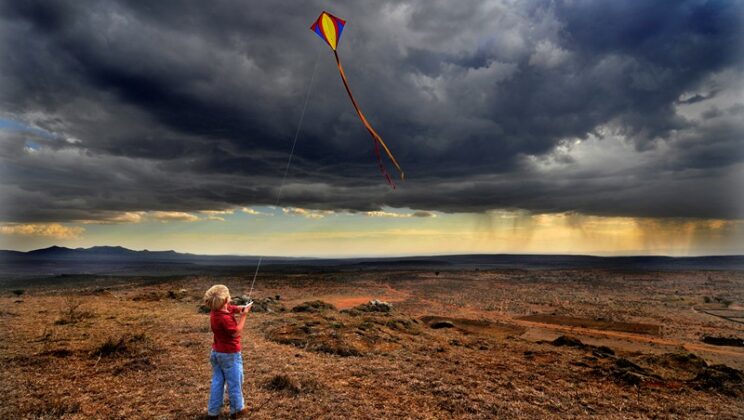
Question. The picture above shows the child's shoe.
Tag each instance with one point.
(240, 414)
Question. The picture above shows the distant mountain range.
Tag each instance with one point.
(57, 260)
(118, 253)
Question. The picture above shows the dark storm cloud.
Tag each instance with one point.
(192, 105)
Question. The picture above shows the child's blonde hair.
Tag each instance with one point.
(216, 296)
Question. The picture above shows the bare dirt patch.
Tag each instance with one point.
(597, 324)
(349, 302)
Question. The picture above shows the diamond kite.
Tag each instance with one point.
(329, 28)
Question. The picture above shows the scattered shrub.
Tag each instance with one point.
(314, 306)
(71, 312)
(126, 345)
(57, 353)
(18, 292)
(283, 383)
(721, 378)
(111, 347)
(177, 294)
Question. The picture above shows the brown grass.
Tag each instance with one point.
(341, 333)
(139, 358)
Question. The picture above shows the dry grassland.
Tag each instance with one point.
(485, 344)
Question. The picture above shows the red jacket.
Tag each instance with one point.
(224, 326)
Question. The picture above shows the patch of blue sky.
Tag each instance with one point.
(13, 125)
(32, 145)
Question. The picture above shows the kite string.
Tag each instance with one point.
(289, 161)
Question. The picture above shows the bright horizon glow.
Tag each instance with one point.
(295, 232)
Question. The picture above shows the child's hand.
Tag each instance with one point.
(247, 307)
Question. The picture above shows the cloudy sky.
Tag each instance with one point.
(523, 126)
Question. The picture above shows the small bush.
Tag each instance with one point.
(283, 383)
(721, 378)
(111, 347)
(126, 345)
(18, 292)
(57, 353)
(71, 312)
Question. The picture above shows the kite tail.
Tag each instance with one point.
(376, 137)
(381, 166)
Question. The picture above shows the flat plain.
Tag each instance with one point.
(460, 343)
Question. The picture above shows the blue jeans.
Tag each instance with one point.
(226, 368)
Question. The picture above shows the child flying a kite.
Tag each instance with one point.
(226, 359)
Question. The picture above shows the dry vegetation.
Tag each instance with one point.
(485, 344)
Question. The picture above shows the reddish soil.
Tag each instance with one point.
(630, 327)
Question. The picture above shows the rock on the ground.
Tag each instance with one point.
(371, 306)
(177, 294)
(268, 305)
(240, 300)
(314, 306)
(379, 306)
(568, 341)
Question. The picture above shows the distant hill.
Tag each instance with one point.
(57, 260)
(118, 253)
